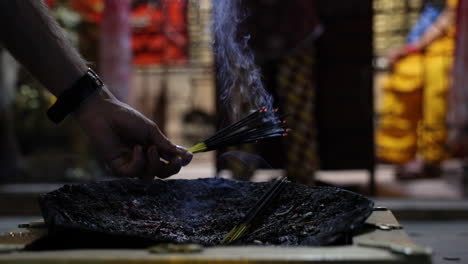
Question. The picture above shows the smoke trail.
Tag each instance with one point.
(239, 78)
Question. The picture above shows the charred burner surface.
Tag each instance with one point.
(131, 213)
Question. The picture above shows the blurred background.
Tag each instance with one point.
(370, 109)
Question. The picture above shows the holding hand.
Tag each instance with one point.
(130, 143)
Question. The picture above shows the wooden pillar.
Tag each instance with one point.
(9, 153)
(458, 115)
(115, 53)
(458, 99)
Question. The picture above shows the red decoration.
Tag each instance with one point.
(159, 29)
(160, 33)
(50, 3)
(91, 10)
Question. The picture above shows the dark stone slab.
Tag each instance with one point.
(131, 213)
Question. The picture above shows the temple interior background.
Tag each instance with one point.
(335, 51)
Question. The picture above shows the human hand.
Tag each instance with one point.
(395, 54)
(130, 143)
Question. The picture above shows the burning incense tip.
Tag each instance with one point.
(256, 126)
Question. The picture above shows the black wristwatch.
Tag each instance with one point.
(71, 98)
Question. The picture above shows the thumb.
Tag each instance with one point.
(166, 148)
(169, 150)
(185, 155)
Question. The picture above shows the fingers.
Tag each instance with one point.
(185, 155)
(129, 164)
(160, 168)
(148, 165)
(171, 168)
(154, 164)
(168, 150)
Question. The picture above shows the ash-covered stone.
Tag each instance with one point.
(132, 213)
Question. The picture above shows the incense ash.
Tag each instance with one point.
(130, 213)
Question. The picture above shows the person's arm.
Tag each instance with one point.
(129, 142)
(30, 33)
(437, 30)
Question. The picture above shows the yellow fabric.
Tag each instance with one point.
(434, 129)
(407, 75)
(414, 106)
(452, 3)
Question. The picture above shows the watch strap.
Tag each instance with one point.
(71, 98)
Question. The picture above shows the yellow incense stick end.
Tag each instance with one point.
(228, 237)
(199, 147)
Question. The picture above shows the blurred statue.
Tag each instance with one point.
(412, 129)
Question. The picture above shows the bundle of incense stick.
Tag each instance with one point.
(258, 125)
(240, 229)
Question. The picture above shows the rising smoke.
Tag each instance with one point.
(239, 79)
